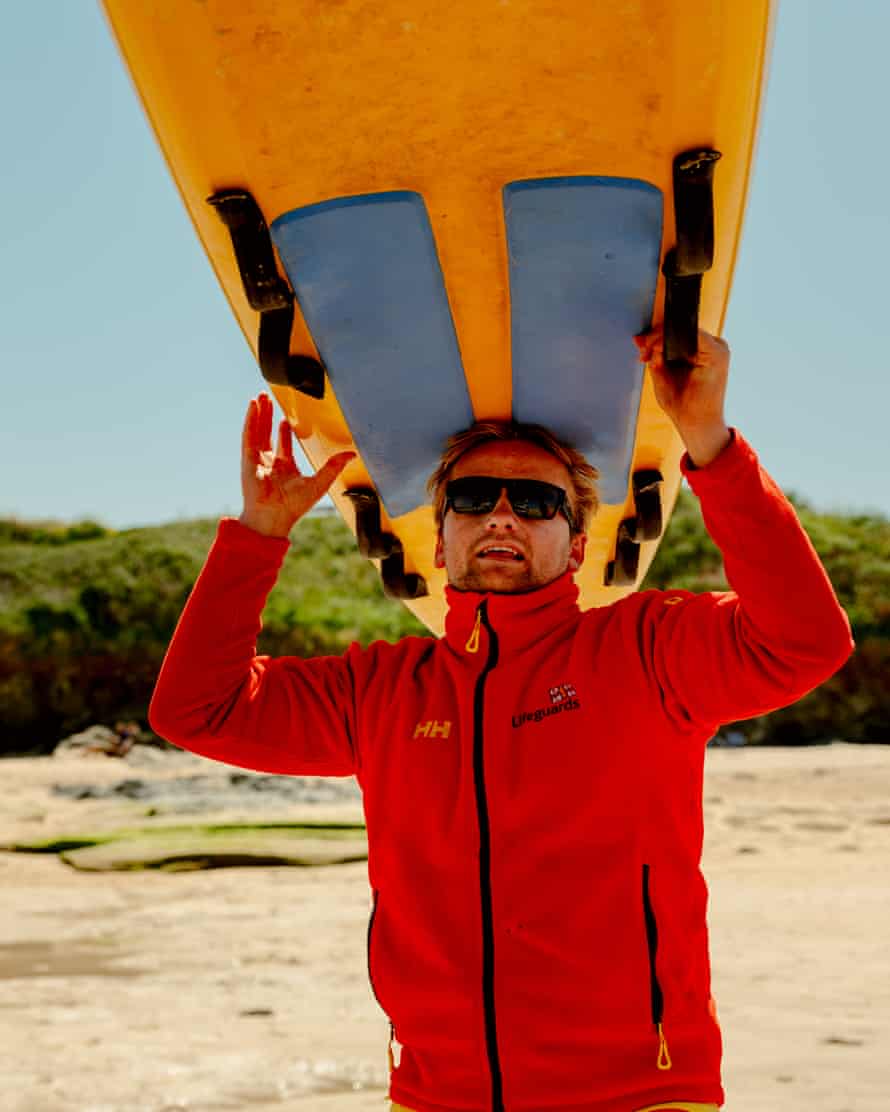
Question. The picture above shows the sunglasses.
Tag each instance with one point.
(530, 498)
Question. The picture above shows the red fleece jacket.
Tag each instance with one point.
(533, 798)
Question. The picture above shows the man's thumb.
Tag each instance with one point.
(326, 474)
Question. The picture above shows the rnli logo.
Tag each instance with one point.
(561, 692)
(433, 729)
(563, 697)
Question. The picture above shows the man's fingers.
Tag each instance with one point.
(251, 438)
(247, 433)
(651, 347)
(257, 433)
(259, 410)
(649, 343)
(286, 443)
(264, 423)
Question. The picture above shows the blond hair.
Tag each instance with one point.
(583, 475)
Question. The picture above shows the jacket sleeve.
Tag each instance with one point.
(777, 634)
(216, 697)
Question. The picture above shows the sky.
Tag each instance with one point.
(125, 378)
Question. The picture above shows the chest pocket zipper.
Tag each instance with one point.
(663, 1061)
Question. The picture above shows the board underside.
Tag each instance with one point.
(471, 205)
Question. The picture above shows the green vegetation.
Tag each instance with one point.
(86, 614)
(85, 619)
(332, 830)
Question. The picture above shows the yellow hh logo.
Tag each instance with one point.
(432, 729)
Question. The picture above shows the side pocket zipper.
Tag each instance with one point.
(374, 897)
(394, 1047)
(663, 1061)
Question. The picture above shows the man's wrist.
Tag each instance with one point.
(267, 527)
(704, 445)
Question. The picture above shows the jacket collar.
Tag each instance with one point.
(519, 620)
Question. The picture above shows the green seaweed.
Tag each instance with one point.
(62, 843)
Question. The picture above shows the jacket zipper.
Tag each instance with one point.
(664, 1058)
(491, 1039)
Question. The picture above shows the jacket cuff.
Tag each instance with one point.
(736, 458)
(233, 536)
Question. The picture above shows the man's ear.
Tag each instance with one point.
(577, 545)
(439, 558)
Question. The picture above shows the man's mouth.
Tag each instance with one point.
(500, 553)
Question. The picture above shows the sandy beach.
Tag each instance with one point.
(246, 988)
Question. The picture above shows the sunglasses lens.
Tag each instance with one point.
(472, 495)
(533, 499)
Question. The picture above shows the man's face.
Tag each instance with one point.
(538, 551)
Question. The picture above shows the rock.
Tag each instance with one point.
(95, 739)
(124, 739)
(218, 790)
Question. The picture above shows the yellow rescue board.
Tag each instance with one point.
(300, 102)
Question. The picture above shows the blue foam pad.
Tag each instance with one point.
(584, 254)
(367, 276)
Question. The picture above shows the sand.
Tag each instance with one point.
(246, 988)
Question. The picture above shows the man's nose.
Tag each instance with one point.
(502, 513)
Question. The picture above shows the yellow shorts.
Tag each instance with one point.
(675, 1106)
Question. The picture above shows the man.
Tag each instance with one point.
(532, 781)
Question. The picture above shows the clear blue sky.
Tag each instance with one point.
(125, 377)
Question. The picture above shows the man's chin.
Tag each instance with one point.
(498, 580)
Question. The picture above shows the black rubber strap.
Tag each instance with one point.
(264, 287)
(694, 211)
(682, 299)
(646, 485)
(267, 293)
(372, 541)
(623, 570)
(397, 583)
(279, 367)
(693, 254)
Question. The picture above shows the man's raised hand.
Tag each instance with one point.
(693, 398)
(276, 494)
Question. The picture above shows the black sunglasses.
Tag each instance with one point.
(530, 498)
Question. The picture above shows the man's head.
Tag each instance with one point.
(530, 534)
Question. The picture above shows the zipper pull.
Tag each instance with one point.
(394, 1050)
(664, 1055)
(472, 646)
